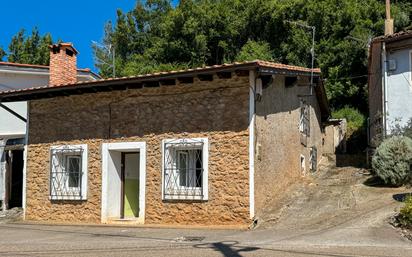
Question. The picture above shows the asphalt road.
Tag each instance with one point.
(42, 240)
(336, 215)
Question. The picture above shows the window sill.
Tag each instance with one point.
(67, 198)
(185, 198)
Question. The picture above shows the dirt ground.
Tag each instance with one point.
(332, 196)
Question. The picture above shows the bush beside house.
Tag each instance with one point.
(405, 215)
(392, 160)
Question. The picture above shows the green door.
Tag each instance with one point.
(131, 185)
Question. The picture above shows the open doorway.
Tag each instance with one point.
(130, 185)
(14, 178)
(123, 182)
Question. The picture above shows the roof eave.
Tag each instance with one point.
(137, 81)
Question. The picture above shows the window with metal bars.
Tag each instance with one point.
(68, 172)
(185, 169)
(313, 159)
(304, 121)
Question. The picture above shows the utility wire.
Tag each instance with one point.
(346, 78)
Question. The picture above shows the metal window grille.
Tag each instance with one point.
(313, 159)
(304, 121)
(66, 173)
(183, 170)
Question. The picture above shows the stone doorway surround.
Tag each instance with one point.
(110, 212)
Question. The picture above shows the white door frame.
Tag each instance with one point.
(124, 147)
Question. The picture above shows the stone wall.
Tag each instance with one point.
(334, 137)
(217, 110)
(278, 144)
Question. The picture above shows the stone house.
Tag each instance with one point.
(389, 84)
(13, 117)
(206, 146)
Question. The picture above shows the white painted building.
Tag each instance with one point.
(390, 84)
(13, 117)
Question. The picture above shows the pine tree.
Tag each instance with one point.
(2, 53)
(32, 49)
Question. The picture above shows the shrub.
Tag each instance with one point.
(405, 215)
(392, 160)
(355, 119)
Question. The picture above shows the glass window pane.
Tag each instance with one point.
(182, 167)
(73, 169)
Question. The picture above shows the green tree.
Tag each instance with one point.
(32, 49)
(253, 50)
(2, 53)
(156, 36)
(103, 52)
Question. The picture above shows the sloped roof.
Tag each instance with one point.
(160, 75)
(394, 37)
(41, 67)
(140, 81)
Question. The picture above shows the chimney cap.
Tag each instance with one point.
(65, 45)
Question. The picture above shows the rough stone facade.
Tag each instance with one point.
(218, 110)
(278, 139)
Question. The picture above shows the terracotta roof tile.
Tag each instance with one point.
(36, 66)
(256, 63)
(393, 37)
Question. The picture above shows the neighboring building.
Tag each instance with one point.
(13, 116)
(206, 146)
(334, 141)
(390, 84)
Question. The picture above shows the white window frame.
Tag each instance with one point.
(84, 163)
(205, 166)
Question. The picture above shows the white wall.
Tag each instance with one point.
(399, 89)
(9, 124)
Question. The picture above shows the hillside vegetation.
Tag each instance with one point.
(156, 35)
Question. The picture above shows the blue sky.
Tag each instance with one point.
(74, 21)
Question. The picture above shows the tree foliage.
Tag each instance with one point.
(2, 53)
(253, 50)
(156, 36)
(354, 118)
(30, 49)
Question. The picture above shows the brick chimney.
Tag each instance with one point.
(63, 64)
